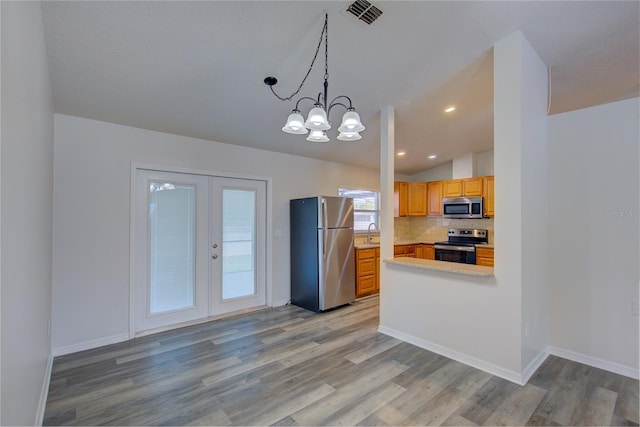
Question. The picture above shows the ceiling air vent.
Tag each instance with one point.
(363, 11)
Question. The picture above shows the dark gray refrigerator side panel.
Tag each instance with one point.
(304, 253)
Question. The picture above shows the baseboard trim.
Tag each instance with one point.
(490, 368)
(88, 345)
(596, 362)
(44, 392)
(534, 365)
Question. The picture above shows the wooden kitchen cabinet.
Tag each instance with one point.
(404, 250)
(377, 270)
(400, 198)
(417, 198)
(367, 269)
(472, 187)
(434, 198)
(452, 188)
(488, 194)
(467, 187)
(484, 256)
(426, 251)
(410, 198)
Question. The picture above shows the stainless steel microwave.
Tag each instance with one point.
(462, 207)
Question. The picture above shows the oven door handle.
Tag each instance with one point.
(455, 248)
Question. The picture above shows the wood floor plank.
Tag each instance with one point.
(596, 407)
(317, 414)
(447, 402)
(400, 410)
(517, 407)
(366, 405)
(287, 403)
(253, 364)
(289, 366)
(458, 420)
(376, 347)
(486, 400)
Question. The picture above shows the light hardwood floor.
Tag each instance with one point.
(289, 366)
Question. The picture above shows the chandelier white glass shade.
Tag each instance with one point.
(295, 124)
(318, 136)
(317, 120)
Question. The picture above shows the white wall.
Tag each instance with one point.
(26, 176)
(91, 214)
(481, 321)
(484, 163)
(520, 160)
(483, 166)
(438, 173)
(535, 216)
(593, 232)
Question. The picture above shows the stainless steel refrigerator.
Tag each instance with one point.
(322, 253)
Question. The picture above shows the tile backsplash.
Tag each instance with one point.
(435, 228)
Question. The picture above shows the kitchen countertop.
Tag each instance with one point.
(409, 242)
(400, 242)
(451, 267)
(366, 245)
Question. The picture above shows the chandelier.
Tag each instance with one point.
(317, 122)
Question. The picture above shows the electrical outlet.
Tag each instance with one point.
(635, 307)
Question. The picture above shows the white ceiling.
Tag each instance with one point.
(197, 68)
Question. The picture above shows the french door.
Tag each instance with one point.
(199, 247)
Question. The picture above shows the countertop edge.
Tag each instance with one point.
(449, 267)
(401, 243)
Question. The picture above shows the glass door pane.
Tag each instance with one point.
(172, 234)
(238, 244)
(238, 239)
(171, 249)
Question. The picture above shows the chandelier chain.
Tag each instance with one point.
(324, 34)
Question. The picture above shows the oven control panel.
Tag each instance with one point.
(468, 232)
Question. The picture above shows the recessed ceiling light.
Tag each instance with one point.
(401, 153)
(450, 109)
(432, 156)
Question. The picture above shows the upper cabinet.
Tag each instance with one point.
(400, 199)
(488, 194)
(463, 187)
(425, 198)
(417, 199)
(472, 187)
(410, 198)
(434, 198)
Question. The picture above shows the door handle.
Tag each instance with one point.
(214, 256)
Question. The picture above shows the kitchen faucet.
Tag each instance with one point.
(369, 231)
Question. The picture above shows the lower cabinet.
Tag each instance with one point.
(404, 250)
(367, 271)
(368, 265)
(426, 251)
(484, 256)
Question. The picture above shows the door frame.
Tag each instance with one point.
(135, 166)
